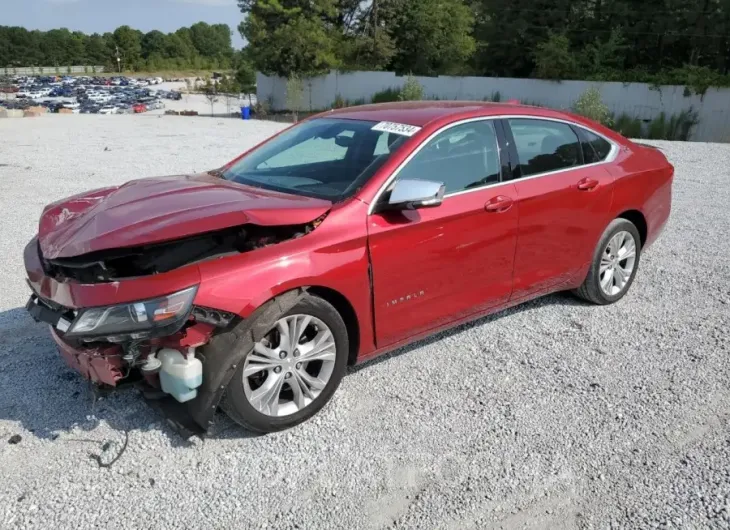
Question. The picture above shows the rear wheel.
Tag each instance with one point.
(614, 266)
(293, 371)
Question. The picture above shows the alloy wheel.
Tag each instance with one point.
(617, 263)
(290, 367)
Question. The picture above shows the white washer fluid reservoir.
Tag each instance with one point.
(180, 374)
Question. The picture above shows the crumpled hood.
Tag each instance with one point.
(161, 209)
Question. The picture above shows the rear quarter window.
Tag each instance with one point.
(595, 148)
(544, 146)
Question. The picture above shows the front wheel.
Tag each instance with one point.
(614, 266)
(293, 371)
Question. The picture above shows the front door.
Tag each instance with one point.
(564, 197)
(433, 266)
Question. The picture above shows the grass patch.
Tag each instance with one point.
(388, 95)
(677, 127)
(341, 103)
(628, 126)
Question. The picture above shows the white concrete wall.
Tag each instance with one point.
(636, 99)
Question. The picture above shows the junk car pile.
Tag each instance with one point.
(86, 95)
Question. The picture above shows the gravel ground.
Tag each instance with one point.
(554, 414)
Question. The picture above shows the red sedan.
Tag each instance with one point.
(347, 235)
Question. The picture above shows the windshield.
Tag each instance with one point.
(324, 158)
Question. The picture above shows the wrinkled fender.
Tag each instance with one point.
(220, 357)
(261, 285)
(333, 257)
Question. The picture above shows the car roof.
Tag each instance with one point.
(418, 113)
(422, 113)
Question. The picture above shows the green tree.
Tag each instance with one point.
(604, 58)
(77, 49)
(509, 32)
(129, 42)
(655, 41)
(20, 47)
(210, 91)
(33, 51)
(211, 41)
(178, 47)
(370, 51)
(294, 95)
(58, 47)
(412, 90)
(153, 44)
(591, 105)
(185, 35)
(246, 77)
(431, 36)
(97, 50)
(553, 58)
(291, 36)
(365, 41)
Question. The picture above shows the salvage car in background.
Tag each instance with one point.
(91, 93)
(155, 104)
(109, 109)
(343, 237)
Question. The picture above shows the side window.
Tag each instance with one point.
(462, 157)
(544, 146)
(595, 148)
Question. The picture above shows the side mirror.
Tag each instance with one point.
(411, 194)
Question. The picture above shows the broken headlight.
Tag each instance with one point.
(137, 320)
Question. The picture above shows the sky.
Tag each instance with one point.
(99, 16)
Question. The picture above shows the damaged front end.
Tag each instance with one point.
(163, 361)
(125, 263)
(152, 341)
(119, 343)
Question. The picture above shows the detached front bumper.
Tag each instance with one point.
(101, 364)
(59, 303)
(104, 362)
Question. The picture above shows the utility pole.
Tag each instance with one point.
(119, 60)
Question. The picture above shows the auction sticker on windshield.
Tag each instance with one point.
(396, 128)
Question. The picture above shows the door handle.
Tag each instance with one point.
(498, 204)
(587, 184)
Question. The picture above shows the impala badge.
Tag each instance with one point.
(406, 298)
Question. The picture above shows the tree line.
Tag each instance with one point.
(656, 41)
(201, 46)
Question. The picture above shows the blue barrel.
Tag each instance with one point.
(246, 113)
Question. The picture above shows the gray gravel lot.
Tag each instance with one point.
(554, 414)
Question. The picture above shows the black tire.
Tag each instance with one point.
(591, 289)
(236, 405)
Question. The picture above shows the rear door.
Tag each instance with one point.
(564, 198)
(433, 266)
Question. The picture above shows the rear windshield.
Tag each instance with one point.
(324, 158)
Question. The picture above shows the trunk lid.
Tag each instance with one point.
(161, 209)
